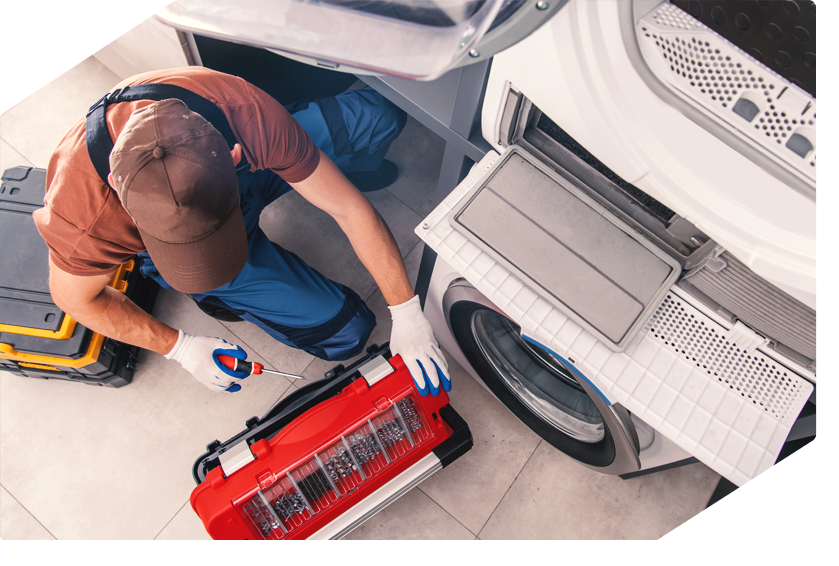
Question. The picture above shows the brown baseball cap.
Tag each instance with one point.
(175, 176)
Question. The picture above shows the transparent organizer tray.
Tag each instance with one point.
(287, 500)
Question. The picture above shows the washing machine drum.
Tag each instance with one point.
(537, 386)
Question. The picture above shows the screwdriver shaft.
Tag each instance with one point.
(251, 368)
(284, 374)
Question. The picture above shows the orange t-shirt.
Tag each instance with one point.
(87, 230)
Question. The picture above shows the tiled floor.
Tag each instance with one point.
(79, 462)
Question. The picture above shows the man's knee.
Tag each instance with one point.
(349, 341)
(387, 118)
(392, 119)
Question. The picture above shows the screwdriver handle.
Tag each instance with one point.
(251, 368)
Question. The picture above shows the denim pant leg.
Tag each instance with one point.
(280, 293)
(371, 125)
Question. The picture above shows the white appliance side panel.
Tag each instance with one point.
(670, 391)
(576, 70)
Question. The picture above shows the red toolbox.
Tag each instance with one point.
(329, 456)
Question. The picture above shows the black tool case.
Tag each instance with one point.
(37, 339)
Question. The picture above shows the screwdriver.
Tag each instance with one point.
(252, 368)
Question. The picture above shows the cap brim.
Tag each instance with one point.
(200, 267)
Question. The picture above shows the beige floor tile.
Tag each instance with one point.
(117, 462)
(414, 516)
(418, 153)
(16, 523)
(184, 526)
(556, 498)
(36, 125)
(471, 487)
(9, 157)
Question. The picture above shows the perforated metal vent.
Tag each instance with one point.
(759, 304)
(734, 88)
(766, 383)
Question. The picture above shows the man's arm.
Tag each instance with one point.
(411, 335)
(328, 189)
(103, 309)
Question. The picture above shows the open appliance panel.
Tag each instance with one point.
(586, 261)
(579, 72)
(704, 383)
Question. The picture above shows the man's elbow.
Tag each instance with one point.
(64, 298)
(74, 294)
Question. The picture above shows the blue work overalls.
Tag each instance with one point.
(278, 291)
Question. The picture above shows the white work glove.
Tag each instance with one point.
(413, 339)
(199, 356)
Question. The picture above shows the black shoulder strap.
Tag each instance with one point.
(336, 125)
(99, 144)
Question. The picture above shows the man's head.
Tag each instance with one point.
(175, 176)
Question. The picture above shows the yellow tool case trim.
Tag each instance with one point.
(92, 354)
(118, 282)
(37, 366)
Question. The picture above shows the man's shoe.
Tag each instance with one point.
(366, 181)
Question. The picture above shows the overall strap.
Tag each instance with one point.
(336, 125)
(99, 144)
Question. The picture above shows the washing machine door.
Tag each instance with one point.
(545, 391)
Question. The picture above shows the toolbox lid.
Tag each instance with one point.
(283, 413)
(25, 299)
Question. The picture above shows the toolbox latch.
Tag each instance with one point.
(375, 370)
(236, 458)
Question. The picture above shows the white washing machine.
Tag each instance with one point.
(546, 392)
(599, 107)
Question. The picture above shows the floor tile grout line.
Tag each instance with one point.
(518, 475)
(280, 398)
(181, 508)
(16, 150)
(28, 512)
(468, 530)
(408, 206)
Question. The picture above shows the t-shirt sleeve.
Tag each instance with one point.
(89, 236)
(272, 139)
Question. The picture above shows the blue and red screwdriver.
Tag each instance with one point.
(251, 368)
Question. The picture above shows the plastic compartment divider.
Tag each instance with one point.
(300, 493)
(271, 510)
(352, 457)
(378, 440)
(326, 475)
(402, 423)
